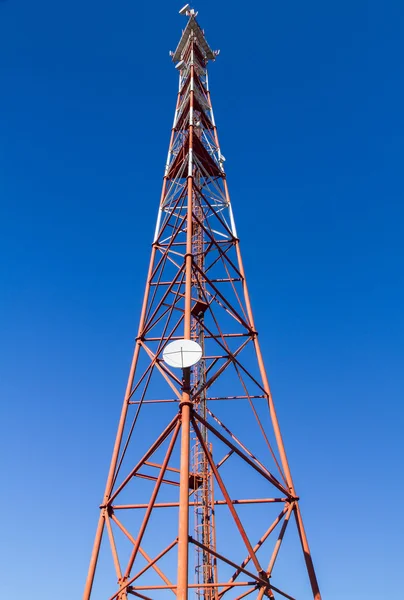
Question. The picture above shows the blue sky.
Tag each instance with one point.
(308, 98)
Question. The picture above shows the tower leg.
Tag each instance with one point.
(307, 554)
(183, 523)
(186, 405)
(279, 441)
(94, 557)
(115, 453)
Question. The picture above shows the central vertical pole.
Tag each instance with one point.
(183, 525)
(186, 405)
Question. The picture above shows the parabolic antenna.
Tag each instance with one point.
(181, 354)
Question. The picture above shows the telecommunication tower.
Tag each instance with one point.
(199, 493)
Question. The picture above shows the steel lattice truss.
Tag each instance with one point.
(199, 494)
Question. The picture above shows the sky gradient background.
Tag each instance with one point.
(308, 98)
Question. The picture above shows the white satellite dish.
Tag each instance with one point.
(184, 9)
(180, 65)
(181, 354)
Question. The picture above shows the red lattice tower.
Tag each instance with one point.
(197, 445)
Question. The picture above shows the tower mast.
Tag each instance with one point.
(196, 441)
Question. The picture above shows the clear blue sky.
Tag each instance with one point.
(309, 101)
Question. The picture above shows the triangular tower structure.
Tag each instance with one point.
(199, 499)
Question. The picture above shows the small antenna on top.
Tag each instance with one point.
(185, 9)
(188, 11)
